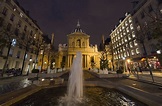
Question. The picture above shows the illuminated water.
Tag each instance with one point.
(75, 83)
(16, 85)
(93, 96)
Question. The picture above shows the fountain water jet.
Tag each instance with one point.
(75, 83)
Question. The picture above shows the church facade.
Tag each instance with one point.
(77, 41)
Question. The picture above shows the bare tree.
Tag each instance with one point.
(151, 29)
(6, 36)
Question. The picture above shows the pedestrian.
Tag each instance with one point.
(129, 70)
(140, 70)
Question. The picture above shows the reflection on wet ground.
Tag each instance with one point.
(16, 85)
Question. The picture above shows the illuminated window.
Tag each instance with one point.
(127, 53)
(131, 26)
(119, 43)
(124, 33)
(138, 28)
(120, 29)
(133, 34)
(123, 48)
(129, 37)
(21, 14)
(118, 37)
(125, 39)
(127, 29)
(130, 44)
(132, 52)
(135, 42)
(122, 41)
(137, 50)
(130, 20)
(123, 27)
(13, 42)
(26, 56)
(11, 52)
(121, 35)
(126, 23)
(35, 36)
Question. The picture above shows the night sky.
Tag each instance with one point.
(97, 17)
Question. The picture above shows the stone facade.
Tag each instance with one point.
(22, 34)
(77, 41)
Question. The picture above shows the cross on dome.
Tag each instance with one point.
(78, 29)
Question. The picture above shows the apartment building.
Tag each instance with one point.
(133, 39)
(146, 15)
(124, 43)
(21, 35)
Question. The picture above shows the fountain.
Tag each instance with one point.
(93, 96)
(75, 83)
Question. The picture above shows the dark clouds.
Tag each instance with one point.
(97, 17)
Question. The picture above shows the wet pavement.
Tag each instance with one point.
(141, 83)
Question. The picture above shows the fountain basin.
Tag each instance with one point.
(93, 96)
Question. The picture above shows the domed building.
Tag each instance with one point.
(78, 40)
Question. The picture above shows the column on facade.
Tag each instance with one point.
(68, 61)
(85, 61)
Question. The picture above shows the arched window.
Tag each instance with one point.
(78, 43)
(83, 44)
(72, 44)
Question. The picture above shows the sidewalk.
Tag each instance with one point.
(146, 77)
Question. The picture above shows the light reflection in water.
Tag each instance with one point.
(94, 96)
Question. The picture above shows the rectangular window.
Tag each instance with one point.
(23, 36)
(18, 54)
(25, 28)
(1, 21)
(150, 9)
(12, 17)
(16, 31)
(142, 15)
(21, 14)
(8, 27)
(19, 23)
(31, 32)
(11, 52)
(4, 12)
